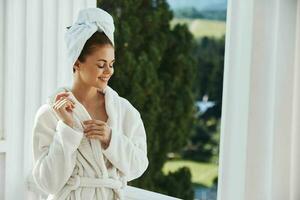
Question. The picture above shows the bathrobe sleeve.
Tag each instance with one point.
(127, 150)
(54, 149)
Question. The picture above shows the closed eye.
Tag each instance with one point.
(101, 67)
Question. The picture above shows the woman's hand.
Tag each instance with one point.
(63, 107)
(98, 129)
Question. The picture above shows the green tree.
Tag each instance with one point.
(178, 184)
(210, 59)
(204, 141)
(155, 71)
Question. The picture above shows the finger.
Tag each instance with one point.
(59, 103)
(64, 97)
(82, 124)
(63, 101)
(87, 126)
(70, 106)
(88, 122)
(100, 137)
(89, 132)
(61, 94)
(94, 132)
(94, 121)
(65, 105)
(62, 105)
(95, 128)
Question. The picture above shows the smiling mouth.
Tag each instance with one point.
(103, 79)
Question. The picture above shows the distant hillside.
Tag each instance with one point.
(203, 9)
(201, 27)
(193, 13)
(198, 4)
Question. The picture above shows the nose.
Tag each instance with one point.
(107, 69)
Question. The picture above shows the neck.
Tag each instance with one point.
(87, 95)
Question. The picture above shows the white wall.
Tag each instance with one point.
(259, 158)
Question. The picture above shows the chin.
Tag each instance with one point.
(101, 86)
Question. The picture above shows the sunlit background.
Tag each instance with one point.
(169, 65)
(170, 57)
(206, 20)
(173, 54)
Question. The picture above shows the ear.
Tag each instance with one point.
(76, 65)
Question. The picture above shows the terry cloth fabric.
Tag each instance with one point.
(69, 166)
(88, 22)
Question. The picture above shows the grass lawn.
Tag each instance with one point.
(203, 27)
(202, 173)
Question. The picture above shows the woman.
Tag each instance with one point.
(87, 140)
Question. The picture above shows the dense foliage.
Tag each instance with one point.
(157, 70)
(204, 141)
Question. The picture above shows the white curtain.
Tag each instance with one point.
(32, 66)
(260, 154)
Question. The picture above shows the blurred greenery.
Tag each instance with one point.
(202, 173)
(155, 71)
(210, 59)
(159, 69)
(203, 144)
(179, 183)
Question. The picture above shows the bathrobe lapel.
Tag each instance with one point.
(80, 114)
(91, 148)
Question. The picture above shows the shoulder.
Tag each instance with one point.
(45, 113)
(46, 110)
(125, 105)
(129, 108)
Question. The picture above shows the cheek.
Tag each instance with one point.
(105, 71)
(92, 75)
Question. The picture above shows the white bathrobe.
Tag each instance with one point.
(67, 165)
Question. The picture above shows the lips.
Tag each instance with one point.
(104, 78)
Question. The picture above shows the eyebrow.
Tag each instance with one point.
(105, 60)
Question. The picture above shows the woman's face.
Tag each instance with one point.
(97, 68)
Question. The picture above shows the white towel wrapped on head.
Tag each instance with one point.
(88, 22)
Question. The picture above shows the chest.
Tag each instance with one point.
(98, 112)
